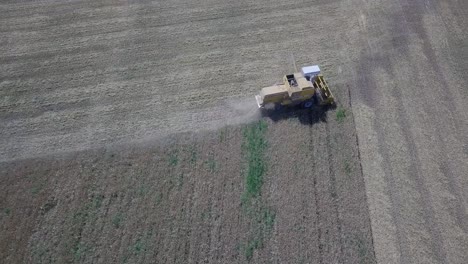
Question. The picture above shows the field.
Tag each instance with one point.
(233, 196)
(130, 134)
(411, 111)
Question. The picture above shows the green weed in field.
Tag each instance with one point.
(361, 248)
(117, 220)
(143, 190)
(79, 251)
(180, 181)
(251, 246)
(340, 115)
(347, 168)
(138, 247)
(48, 206)
(193, 155)
(159, 198)
(268, 219)
(7, 211)
(211, 163)
(222, 135)
(86, 214)
(37, 188)
(206, 214)
(263, 218)
(174, 158)
(41, 255)
(254, 146)
(97, 201)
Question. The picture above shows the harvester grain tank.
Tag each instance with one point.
(306, 88)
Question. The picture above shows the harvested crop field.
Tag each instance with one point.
(410, 103)
(130, 134)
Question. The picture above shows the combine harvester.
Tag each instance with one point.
(306, 88)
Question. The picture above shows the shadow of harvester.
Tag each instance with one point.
(307, 116)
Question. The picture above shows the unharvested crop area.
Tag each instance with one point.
(130, 134)
(282, 190)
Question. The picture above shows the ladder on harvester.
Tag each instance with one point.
(325, 95)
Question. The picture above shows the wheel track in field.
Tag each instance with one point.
(333, 189)
(325, 194)
(313, 145)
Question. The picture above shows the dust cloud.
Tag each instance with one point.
(242, 111)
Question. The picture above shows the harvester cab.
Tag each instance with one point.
(306, 88)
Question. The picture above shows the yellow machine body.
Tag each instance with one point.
(297, 88)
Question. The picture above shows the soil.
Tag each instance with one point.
(411, 116)
(183, 202)
(123, 132)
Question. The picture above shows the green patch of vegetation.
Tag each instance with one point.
(193, 155)
(206, 214)
(347, 168)
(79, 251)
(263, 218)
(159, 198)
(263, 223)
(172, 184)
(79, 216)
(86, 214)
(37, 188)
(340, 115)
(7, 211)
(174, 158)
(296, 170)
(180, 181)
(138, 246)
(238, 247)
(143, 190)
(51, 203)
(97, 201)
(211, 163)
(302, 260)
(251, 246)
(223, 135)
(41, 255)
(298, 228)
(268, 219)
(362, 250)
(117, 220)
(254, 147)
(245, 202)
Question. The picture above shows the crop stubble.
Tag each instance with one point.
(84, 74)
(80, 75)
(410, 107)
